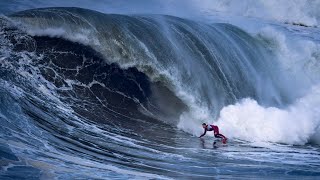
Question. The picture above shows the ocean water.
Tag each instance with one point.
(119, 90)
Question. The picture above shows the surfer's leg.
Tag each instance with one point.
(224, 139)
(222, 136)
(219, 136)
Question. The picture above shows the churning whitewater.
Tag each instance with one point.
(86, 94)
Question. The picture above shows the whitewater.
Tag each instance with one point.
(119, 90)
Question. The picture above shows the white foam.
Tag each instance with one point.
(297, 124)
(83, 36)
(191, 121)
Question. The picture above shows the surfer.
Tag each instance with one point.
(215, 130)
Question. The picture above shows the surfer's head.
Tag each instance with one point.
(204, 125)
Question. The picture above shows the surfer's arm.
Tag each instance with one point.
(204, 133)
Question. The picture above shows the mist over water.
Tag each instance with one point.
(123, 95)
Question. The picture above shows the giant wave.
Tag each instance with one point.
(91, 83)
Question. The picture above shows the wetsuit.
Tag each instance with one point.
(215, 130)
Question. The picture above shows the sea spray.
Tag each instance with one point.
(296, 124)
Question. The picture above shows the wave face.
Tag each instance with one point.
(217, 64)
(106, 93)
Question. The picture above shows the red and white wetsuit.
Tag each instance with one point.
(215, 130)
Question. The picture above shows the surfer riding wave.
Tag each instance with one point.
(215, 130)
